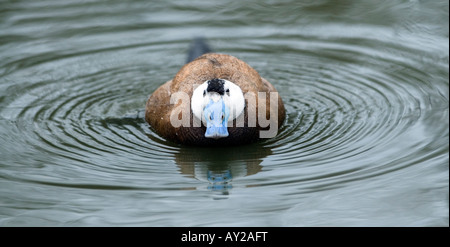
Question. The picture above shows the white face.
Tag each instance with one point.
(233, 99)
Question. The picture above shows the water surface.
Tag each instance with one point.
(365, 143)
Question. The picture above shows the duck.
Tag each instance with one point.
(215, 99)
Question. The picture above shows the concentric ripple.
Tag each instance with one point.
(367, 117)
(354, 120)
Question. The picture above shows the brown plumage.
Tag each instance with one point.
(207, 67)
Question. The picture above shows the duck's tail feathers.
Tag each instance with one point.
(198, 47)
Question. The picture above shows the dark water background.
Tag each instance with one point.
(365, 83)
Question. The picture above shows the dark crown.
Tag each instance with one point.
(216, 85)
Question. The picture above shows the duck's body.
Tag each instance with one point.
(214, 75)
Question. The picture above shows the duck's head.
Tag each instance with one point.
(217, 102)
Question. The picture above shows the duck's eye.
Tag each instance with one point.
(204, 93)
(228, 92)
(223, 117)
(211, 117)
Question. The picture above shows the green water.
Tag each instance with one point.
(365, 143)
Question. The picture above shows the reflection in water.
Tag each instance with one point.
(219, 166)
(221, 181)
